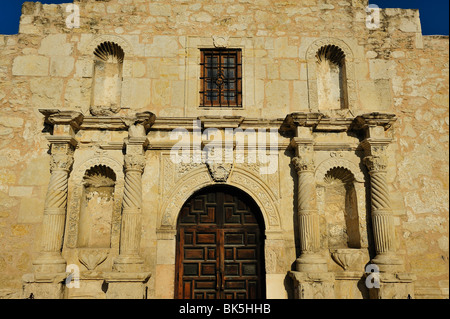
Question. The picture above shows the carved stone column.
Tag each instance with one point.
(375, 146)
(381, 211)
(129, 259)
(311, 279)
(65, 123)
(308, 219)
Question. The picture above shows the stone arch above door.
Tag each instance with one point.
(200, 178)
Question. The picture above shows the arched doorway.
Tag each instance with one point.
(220, 246)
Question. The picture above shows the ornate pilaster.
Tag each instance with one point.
(65, 124)
(129, 259)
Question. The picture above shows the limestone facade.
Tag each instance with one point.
(87, 180)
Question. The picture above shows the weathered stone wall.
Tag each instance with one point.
(392, 69)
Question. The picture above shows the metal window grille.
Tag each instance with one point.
(221, 78)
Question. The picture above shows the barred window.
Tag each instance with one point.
(221, 77)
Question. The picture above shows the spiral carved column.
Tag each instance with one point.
(308, 218)
(382, 217)
(50, 259)
(129, 259)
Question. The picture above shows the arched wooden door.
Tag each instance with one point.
(220, 246)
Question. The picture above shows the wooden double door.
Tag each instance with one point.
(220, 253)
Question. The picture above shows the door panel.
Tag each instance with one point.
(220, 247)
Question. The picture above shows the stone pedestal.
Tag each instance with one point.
(126, 285)
(43, 285)
(392, 286)
(319, 285)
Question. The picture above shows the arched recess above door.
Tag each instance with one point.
(200, 178)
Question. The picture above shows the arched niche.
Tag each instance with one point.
(341, 199)
(107, 79)
(341, 209)
(96, 208)
(83, 177)
(331, 77)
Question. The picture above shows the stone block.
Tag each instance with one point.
(56, 44)
(136, 93)
(289, 70)
(31, 65)
(31, 210)
(46, 92)
(13, 122)
(162, 46)
(61, 66)
(20, 191)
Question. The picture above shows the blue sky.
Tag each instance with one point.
(434, 13)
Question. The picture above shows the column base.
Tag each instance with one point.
(128, 263)
(391, 286)
(49, 262)
(43, 285)
(388, 262)
(313, 285)
(310, 262)
(127, 285)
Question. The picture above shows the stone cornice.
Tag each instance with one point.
(58, 117)
(385, 120)
(319, 122)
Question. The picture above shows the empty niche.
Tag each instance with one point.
(107, 80)
(331, 78)
(97, 205)
(341, 209)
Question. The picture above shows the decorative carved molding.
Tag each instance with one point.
(124, 44)
(219, 171)
(91, 258)
(315, 46)
(198, 178)
(221, 41)
(345, 257)
(100, 176)
(331, 163)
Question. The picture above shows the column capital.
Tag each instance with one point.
(376, 163)
(61, 162)
(134, 162)
(376, 146)
(303, 163)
